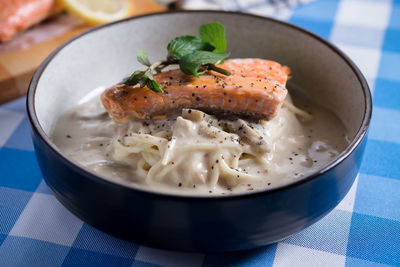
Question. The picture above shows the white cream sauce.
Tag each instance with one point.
(295, 149)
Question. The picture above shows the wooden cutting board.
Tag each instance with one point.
(17, 67)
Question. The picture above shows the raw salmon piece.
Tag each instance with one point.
(255, 89)
(19, 15)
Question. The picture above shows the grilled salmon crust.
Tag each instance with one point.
(255, 89)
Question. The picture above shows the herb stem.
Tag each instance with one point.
(158, 63)
(217, 69)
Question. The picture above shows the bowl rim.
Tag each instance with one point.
(360, 135)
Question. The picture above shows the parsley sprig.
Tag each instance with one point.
(195, 56)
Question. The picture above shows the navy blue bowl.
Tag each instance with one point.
(197, 223)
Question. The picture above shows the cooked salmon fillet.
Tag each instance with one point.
(255, 89)
(19, 15)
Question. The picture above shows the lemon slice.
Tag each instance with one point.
(99, 11)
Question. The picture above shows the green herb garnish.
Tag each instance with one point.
(194, 55)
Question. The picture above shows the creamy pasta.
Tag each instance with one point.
(197, 153)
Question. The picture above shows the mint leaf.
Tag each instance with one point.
(184, 45)
(142, 58)
(144, 78)
(154, 86)
(134, 78)
(214, 34)
(190, 63)
(143, 81)
(194, 55)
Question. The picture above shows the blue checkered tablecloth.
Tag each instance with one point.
(364, 230)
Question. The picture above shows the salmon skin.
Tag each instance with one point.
(19, 15)
(255, 90)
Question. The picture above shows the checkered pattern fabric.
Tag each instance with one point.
(280, 9)
(364, 230)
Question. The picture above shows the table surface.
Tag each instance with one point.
(364, 230)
